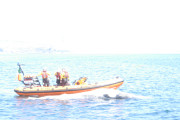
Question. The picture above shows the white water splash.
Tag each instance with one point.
(95, 94)
(123, 95)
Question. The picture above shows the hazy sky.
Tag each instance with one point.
(92, 26)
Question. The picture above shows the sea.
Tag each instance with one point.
(151, 89)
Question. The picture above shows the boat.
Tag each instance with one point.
(33, 87)
(70, 89)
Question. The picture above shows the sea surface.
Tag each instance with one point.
(151, 89)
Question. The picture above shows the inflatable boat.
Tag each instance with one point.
(70, 89)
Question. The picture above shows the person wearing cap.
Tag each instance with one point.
(58, 78)
(45, 76)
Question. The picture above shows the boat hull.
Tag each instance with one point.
(58, 90)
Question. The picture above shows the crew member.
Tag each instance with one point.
(45, 75)
(64, 77)
(58, 78)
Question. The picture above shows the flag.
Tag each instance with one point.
(20, 73)
(20, 69)
(20, 77)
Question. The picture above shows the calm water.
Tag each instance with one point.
(151, 89)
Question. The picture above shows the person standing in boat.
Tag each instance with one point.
(45, 76)
(64, 77)
(58, 78)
